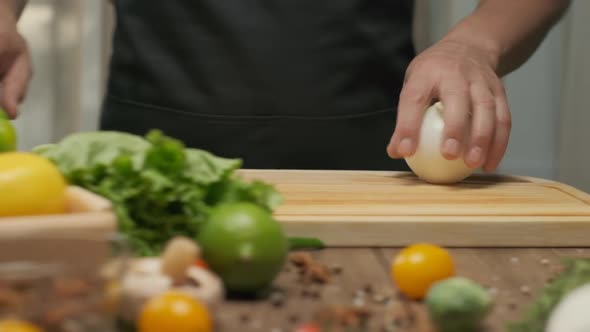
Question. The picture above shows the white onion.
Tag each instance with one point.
(427, 162)
(571, 314)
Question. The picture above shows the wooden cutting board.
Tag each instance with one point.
(356, 208)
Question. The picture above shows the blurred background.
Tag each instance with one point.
(70, 45)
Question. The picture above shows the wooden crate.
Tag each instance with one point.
(81, 238)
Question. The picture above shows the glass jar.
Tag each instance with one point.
(62, 284)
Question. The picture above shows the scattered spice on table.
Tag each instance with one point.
(71, 287)
(277, 299)
(300, 259)
(358, 302)
(343, 316)
(310, 270)
(379, 298)
(399, 315)
(336, 268)
(244, 318)
(293, 318)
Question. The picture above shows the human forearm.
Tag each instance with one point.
(13, 8)
(508, 30)
(15, 63)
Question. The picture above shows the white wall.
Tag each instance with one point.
(65, 39)
(534, 93)
(574, 150)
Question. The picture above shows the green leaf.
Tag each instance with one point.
(166, 154)
(88, 149)
(233, 190)
(206, 168)
(158, 187)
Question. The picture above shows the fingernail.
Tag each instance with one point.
(451, 147)
(474, 156)
(405, 147)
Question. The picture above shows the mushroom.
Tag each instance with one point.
(173, 270)
(178, 256)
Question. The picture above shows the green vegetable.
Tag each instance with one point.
(458, 304)
(158, 187)
(297, 243)
(8, 138)
(576, 274)
(244, 245)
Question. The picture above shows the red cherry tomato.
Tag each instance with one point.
(201, 263)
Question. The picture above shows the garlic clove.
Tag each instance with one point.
(142, 282)
(203, 286)
(180, 254)
(145, 280)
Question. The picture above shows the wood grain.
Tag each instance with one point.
(81, 238)
(87, 215)
(360, 267)
(355, 208)
(514, 276)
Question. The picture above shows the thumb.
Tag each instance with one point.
(415, 97)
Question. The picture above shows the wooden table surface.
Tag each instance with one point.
(513, 276)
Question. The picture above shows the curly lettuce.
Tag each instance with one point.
(158, 187)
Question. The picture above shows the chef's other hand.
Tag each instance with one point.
(463, 78)
(15, 63)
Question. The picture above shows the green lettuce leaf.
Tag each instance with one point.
(158, 187)
(89, 149)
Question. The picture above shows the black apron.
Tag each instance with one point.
(284, 84)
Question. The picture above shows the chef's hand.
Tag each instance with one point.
(463, 78)
(15, 63)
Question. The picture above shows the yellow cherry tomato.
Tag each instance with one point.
(418, 266)
(10, 325)
(30, 185)
(174, 311)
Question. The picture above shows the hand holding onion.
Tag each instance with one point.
(428, 163)
(463, 77)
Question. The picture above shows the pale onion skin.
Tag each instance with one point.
(571, 314)
(428, 162)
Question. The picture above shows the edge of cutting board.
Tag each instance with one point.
(461, 231)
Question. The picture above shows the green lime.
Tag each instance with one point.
(244, 245)
(7, 134)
